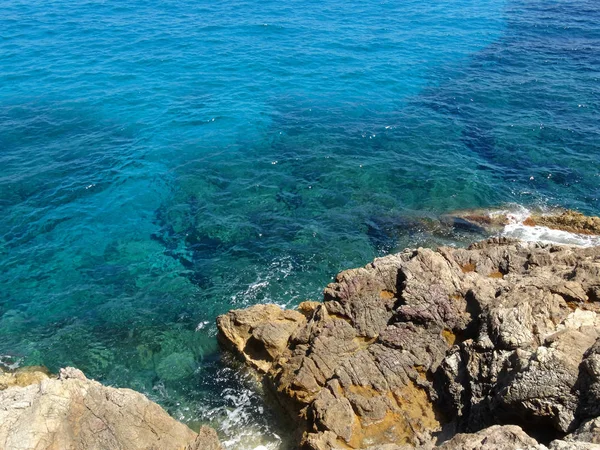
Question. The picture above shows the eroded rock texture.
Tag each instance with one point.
(74, 413)
(420, 345)
(497, 437)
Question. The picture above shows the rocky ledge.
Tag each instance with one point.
(493, 346)
(73, 413)
(493, 221)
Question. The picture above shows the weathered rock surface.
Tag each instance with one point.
(571, 221)
(74, 413)
(23, 377)
(423, 344)
(586, 437)
(497, 437)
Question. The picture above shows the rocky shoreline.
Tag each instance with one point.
(499, 340)
(494, 346)
(493, 221)
(71, 412)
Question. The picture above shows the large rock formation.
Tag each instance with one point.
(418, 346)
(73, 413)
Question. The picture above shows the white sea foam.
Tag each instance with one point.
(547, 235)
(259, 291)
(240, 425)
(10, 362)
(240, 418)
(515, 228)
(202, 325)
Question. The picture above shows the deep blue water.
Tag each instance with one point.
(163, 162)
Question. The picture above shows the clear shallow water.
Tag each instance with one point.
(164, 162)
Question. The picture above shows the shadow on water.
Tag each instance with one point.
(526, 104)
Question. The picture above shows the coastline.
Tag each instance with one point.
(164, 163)
(386, 359)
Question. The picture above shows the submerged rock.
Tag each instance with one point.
(482, 221)
(418, 346)
(73, 413)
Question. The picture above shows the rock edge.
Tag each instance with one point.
(71, 412)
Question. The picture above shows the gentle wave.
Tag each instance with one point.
(518, 230)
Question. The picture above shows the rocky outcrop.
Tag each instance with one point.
(418, 346)
(485, 221)
(73, 413)
(571, 221)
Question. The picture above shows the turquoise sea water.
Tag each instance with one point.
(163, 162)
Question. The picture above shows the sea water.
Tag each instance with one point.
(162, 162)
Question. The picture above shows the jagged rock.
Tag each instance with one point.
(73, 413)
(391, 447)
(589, 383)
(489, 222)
(207, 439)
(430, 341)
(523, 365)
(588, 432)
(259, 334)
(497, 437)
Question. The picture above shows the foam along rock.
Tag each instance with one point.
(559, 225)
(72, 412)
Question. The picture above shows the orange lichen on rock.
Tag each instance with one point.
(468, 268)
(387, 295)
(449, 336)
(414, 414)
(23, 376)
(363, 342)
(364, 391)
(308, 307)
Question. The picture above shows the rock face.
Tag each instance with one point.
(497, 437)
(418, 346)
(74, 413)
